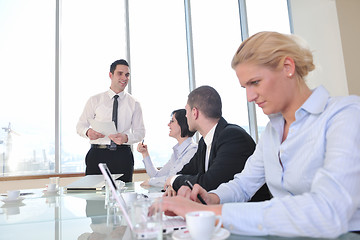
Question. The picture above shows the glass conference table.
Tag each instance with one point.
(76, 215)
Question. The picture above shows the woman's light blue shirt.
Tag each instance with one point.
(181, 155)
(314, 175)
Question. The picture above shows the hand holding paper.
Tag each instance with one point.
(119, 138)
(93, 135)
(105, 128)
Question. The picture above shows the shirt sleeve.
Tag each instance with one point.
(172, 167)
(157, 181)
(137, 132)
(245, 184)
(149, 166)
(169, 169)
(83, 124)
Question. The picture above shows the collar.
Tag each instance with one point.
(178, 149)
(315, 104)
(317, 101)
(210, 136)
(111, 94)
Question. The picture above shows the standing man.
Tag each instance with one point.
(118, 106)
(222, 151)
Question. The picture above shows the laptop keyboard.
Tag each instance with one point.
(173, 223)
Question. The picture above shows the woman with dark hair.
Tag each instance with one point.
(184, 150)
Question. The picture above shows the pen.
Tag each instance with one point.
(142, 142)
(191, 187)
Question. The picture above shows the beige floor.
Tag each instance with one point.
(40, 183)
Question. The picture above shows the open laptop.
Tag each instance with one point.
(169, 224)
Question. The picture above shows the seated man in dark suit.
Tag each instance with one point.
(222, 150)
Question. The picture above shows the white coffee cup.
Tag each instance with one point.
(51, 187)
(201, 224)
(13, 194)
(54, 180)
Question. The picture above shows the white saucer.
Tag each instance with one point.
(185, 235)
(12, 201)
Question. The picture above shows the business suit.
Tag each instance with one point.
(230, 148)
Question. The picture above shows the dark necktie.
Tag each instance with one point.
(114, 119)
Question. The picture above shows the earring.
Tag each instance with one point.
(290, 74)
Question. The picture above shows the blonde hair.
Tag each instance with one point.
(270, 49)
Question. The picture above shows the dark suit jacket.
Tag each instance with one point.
(230, 148)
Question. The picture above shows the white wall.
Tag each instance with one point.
(316, 21)
(349, 19)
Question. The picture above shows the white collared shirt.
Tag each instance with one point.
(208, 141)
(100, 107)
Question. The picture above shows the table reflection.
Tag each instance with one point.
(106, 222)
(78, 215)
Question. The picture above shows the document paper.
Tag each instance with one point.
(106, 128)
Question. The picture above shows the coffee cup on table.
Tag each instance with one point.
(54, 180)
(51, 187)
(13, 194)
(202, 224)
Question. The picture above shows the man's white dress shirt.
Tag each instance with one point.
(100, 107)
(208, 140)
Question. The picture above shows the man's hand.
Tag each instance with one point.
(184, 191)
(119, 138)
(167, 182)
(93, 135)
(169, 192)
(209, 198)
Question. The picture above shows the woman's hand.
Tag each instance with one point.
(145, 183)
(142, 148)
(180, 206)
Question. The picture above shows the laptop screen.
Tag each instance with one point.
(121, 202)
(169, 225)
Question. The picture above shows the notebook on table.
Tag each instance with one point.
(89, 182)
(169, 224)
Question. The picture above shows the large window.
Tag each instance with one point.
(265, 15)
(27, 89)
(159, 70)
(216, 36)
(91, 35)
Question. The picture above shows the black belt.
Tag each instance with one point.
(103, 146)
